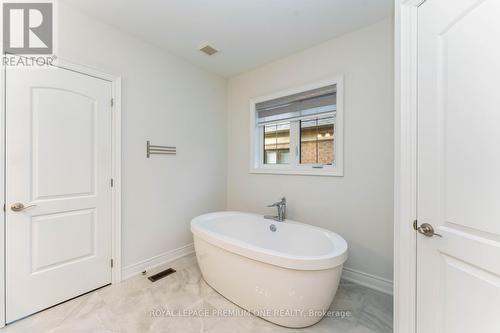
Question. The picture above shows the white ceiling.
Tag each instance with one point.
(248, 33)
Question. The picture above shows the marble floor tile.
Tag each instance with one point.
(137, 305)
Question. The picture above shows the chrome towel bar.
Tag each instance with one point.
(159, 150)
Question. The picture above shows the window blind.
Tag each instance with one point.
(317, 102)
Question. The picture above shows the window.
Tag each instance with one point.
(316, 141)
(298, 131)
(277, 144)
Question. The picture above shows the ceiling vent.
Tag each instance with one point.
(208, 50)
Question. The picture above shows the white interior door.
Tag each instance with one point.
(458, 274)
(58, 165)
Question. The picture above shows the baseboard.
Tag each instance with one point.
(161, 259)
(368, 280)
(349, 274)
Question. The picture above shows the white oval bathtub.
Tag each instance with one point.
(289, 276)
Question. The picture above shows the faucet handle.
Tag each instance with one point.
(282, 202)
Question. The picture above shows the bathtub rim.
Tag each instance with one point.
(281, 259)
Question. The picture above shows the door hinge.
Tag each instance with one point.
(112, 102)
(112, 182)
(112, 263)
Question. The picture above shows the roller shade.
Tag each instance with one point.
(317, 102)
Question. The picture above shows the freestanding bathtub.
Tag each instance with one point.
(288, 276)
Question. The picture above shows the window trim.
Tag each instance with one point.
(294, 168)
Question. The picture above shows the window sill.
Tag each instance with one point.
(301, 172)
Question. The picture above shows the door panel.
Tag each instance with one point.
(478, 301)
(458, 282)
(78, 228)
(52, 154)
(58, 160)
(469, 55)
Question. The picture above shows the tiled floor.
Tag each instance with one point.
(130, 307)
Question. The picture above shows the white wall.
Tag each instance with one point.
(170, 102)
(358, 206)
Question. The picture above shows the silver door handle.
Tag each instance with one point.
(19, 207)
(426, 229)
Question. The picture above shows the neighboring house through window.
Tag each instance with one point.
(299, 131)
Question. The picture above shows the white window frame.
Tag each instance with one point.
(295, 168)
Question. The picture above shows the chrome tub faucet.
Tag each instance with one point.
(281, 206)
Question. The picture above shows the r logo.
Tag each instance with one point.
(27, 28)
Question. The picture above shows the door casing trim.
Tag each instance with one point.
(405, 168)
(116, 171)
